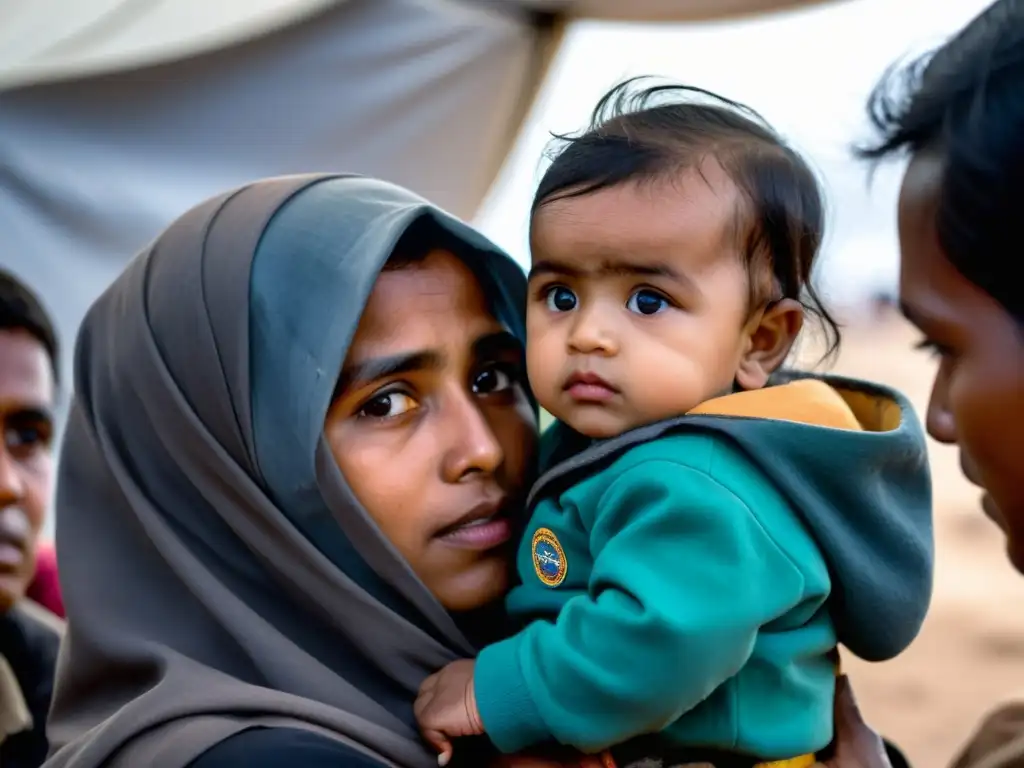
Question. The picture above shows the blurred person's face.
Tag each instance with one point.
(433, 430)
(26, 466)
(977, 400)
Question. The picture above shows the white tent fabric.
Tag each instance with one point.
(118, 115)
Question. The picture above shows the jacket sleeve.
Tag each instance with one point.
(684, 576)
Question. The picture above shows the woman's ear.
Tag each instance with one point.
(770, 337)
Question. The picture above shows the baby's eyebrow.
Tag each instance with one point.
(614, 267)
(549, 267)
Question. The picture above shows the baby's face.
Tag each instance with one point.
(639, 302)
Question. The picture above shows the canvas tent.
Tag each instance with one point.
(118, 115)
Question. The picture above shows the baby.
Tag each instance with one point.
(704, 533)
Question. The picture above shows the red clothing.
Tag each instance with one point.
(45, 588)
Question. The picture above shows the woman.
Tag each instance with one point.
(289, 480)
(959, 114)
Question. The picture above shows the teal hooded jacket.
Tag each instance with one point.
(694, 577)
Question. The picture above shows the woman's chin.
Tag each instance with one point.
(477, 586)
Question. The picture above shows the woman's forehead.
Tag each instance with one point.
(432, 303)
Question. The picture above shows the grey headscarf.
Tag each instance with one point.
(218, 573)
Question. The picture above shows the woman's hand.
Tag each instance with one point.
(857, 745)
(446, 708)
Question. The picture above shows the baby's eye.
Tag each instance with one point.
(561, 299)
(646, 302)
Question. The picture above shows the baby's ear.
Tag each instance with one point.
(770, 337)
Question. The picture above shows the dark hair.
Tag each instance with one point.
(20, 310)
(638, 134)
(419, 240)
(965, 102)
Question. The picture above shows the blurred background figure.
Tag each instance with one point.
(29, 635)
(45, 585)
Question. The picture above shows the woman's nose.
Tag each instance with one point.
(474, 447)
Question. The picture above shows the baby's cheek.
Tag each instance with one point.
(545, 359)
(672, 388)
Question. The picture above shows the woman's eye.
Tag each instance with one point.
(491, 380)
(388, 406)
(646, 302)
(561, 299)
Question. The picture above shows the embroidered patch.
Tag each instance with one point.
(548, 558)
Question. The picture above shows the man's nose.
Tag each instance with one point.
(12, 483)
(940, 422)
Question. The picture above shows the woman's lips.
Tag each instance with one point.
(487, 533)
(484, 527)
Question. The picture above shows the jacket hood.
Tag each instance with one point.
(851, 458)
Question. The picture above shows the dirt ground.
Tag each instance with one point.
(970, 654)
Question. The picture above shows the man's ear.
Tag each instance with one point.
(770, 337)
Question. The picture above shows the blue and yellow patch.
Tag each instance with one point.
(548, 558)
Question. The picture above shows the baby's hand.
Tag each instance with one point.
(446, 708)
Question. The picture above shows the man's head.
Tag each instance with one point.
(673, 243)
(28, 378)
(958, 114)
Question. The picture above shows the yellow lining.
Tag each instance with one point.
(807, 401)
(794, 762)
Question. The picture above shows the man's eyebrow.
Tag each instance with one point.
(374, 368)
(30, 414)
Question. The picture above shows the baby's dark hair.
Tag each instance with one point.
(965, 102)
(655, 132)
